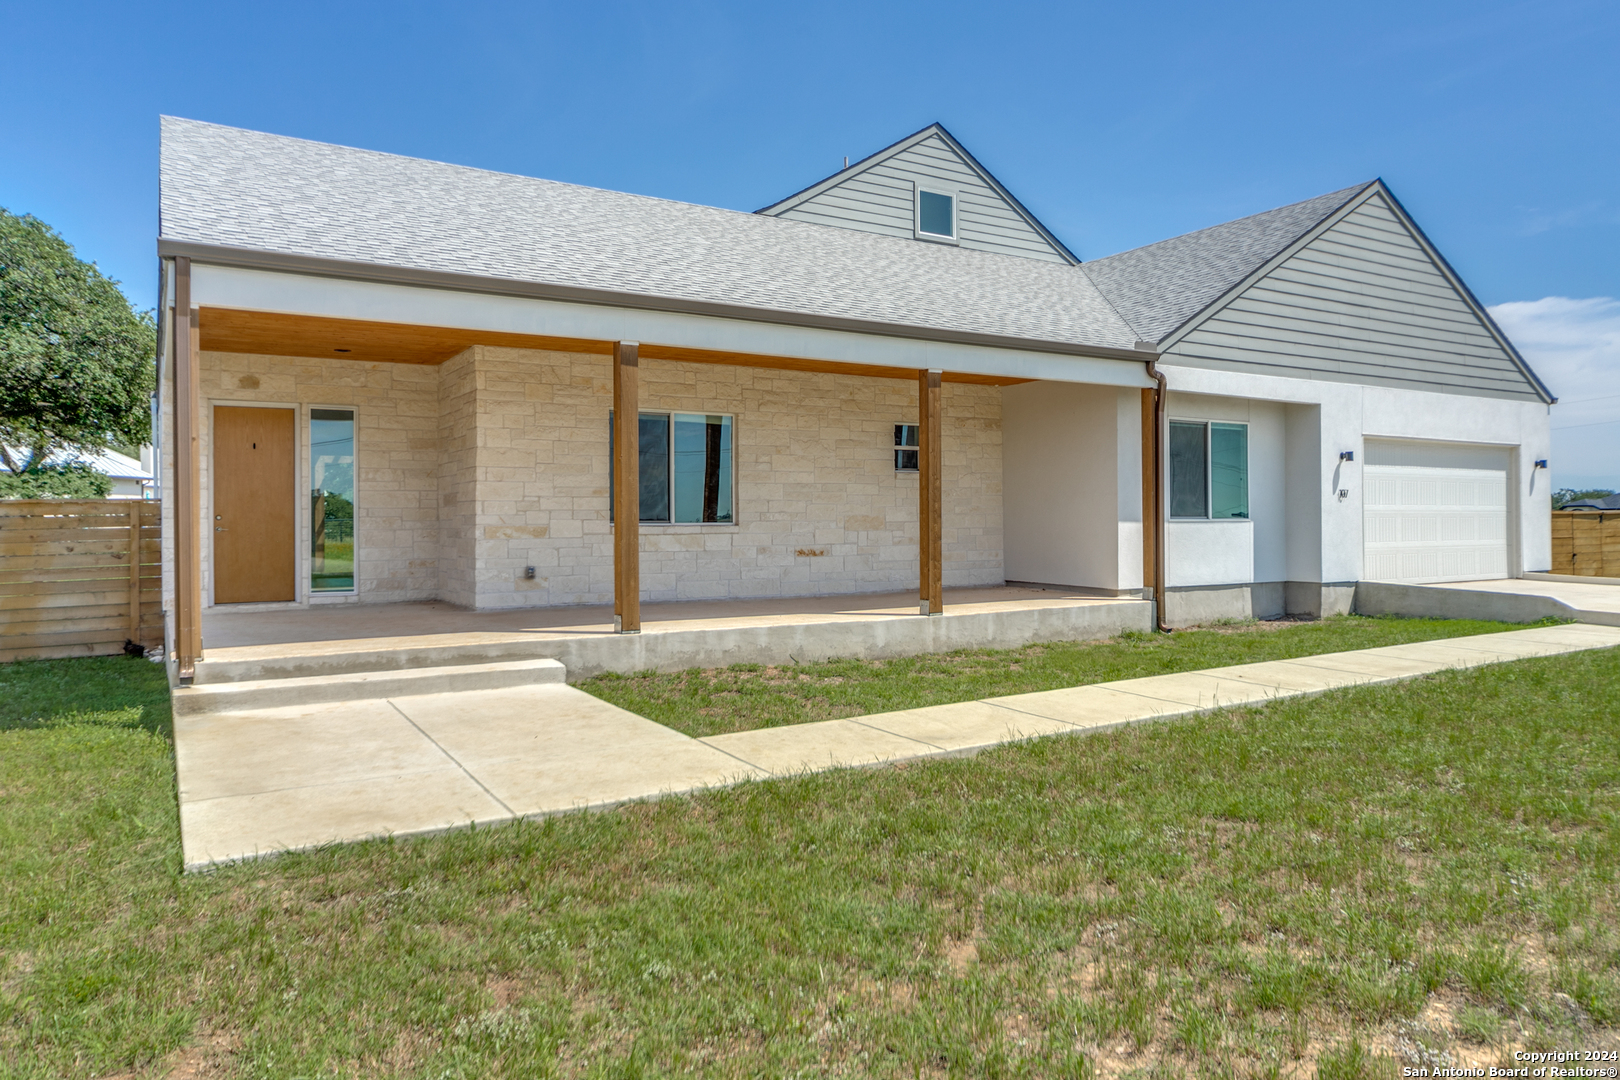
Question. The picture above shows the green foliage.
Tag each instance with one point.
(1564, 496)
(76, 362)
(75, 480)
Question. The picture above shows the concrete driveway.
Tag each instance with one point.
(1525, 599)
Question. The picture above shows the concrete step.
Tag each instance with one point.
(234, 697)
(296, 665)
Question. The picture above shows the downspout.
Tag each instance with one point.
(1158, 495)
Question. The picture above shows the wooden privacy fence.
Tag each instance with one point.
(78, 577)
(1586, 542)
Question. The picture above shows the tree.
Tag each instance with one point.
(76, 361)
(1564, 496)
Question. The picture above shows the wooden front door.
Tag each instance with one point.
(255, 534)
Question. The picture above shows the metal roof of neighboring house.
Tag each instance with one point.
(1159, 287)
(1608, 502)
(107, 462)
(230, 194)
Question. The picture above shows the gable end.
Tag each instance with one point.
(878, 195)
(1364, 299)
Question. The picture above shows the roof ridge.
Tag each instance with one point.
(1348, 193)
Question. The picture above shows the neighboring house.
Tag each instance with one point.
(1608, 502)
(131, 479)
(399, 375)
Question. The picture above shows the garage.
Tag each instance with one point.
(1434, 511)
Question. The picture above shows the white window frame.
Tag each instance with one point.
(736, 511)
(900, 446)
(948, 191)
(307, 473)
(1209, 467)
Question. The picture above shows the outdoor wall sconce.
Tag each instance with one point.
(1347, 455)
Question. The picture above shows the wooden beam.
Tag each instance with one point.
(930, 515)
(270, 333)
(626, 488)
(187, 481)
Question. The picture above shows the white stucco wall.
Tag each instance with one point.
(1072, 493)
(1343, 415)
(1216, 552)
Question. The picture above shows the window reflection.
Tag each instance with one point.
(331, 470)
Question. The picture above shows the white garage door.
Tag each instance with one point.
(1435, 512)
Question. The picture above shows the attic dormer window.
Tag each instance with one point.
(936, 214)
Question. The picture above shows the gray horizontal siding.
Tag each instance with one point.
(1361, 303)
(879, 200)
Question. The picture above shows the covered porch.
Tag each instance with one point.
(493, 519)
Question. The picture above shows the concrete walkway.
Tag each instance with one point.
(254, 783)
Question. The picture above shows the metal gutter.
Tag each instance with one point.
(256, 259)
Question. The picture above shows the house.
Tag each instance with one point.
(399, 380)
(131, 477)
(1606, 502)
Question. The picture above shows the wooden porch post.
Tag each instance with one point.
(929, 490)
(626, 488)
(187, 481)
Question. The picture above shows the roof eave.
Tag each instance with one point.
(259, 259)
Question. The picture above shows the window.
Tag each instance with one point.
(936, 214)
(685, 462)
(1209, 470)
(331, 518)
(905, 435)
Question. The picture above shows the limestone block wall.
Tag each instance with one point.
(397, 409)
(819, 506)
(497, 460)
(459, 436)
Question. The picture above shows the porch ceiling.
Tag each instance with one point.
(277, 334)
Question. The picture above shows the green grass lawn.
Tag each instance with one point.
(1313, 887)
(745, 696)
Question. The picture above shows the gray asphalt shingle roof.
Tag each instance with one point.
(1159, 287)
(229, 187)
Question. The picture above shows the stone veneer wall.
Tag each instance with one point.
(815, 473)
(397, 405)
(498, 459)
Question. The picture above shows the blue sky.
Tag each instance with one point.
(1497, 124)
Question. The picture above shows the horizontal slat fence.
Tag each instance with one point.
(1586, 542)
(79, 577)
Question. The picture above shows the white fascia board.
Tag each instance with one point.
(337, 298)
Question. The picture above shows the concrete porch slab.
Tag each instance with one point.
(334, 639)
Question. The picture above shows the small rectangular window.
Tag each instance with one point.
(936, 213)
(1229, 470)
(1209, 470)
(1188, 470)
(905, 460)
(331, 519)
